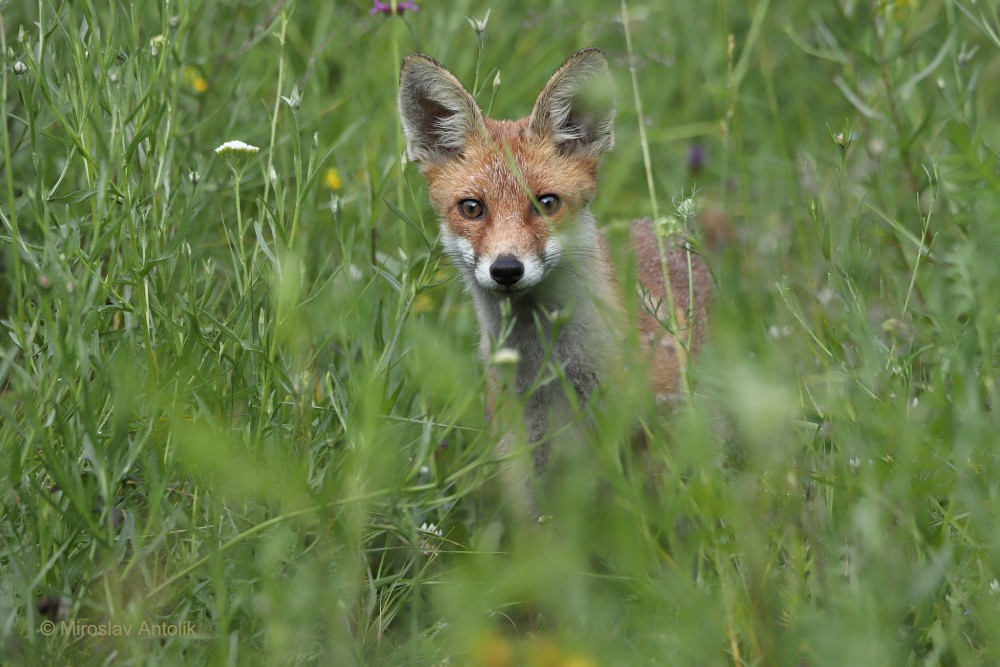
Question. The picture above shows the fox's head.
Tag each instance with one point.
(509, 193)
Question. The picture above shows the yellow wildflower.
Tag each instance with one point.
(194, 79)
(494, 652)
(332, 179)
(423, 304)
(547, 654)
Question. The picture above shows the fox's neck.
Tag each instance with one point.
(569, 318)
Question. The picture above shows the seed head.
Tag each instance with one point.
(479, 25)
(687, 210)
(843, 139)
(667, 226)
(294, 101)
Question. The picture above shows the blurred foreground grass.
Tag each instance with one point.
(252, 412)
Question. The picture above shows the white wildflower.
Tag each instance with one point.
(560, 317)
(236, 147)
(430, 543)
(431, 528)
(157, 43)
(776, 332)
(506, 356)
(237, 153)
(20, 68)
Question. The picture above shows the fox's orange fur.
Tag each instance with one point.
(484, 171)
(513, 198)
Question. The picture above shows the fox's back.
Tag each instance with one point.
(691, 289)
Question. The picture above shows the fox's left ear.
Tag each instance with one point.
(577, 106)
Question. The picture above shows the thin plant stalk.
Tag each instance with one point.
(671, 318)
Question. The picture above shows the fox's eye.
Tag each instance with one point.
(471, 209)
(547, 204)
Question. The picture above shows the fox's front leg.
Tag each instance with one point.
(518, 477)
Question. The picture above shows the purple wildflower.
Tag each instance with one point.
(695, 159)
(386, 7)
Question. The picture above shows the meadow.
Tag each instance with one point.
(242, 411)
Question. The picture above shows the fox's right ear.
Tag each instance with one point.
(439, 115)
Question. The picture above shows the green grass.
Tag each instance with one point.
(234, 405)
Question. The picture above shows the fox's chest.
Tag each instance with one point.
(557, 353)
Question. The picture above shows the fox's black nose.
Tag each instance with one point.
(506, 270)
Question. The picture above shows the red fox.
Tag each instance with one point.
(513, 199)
